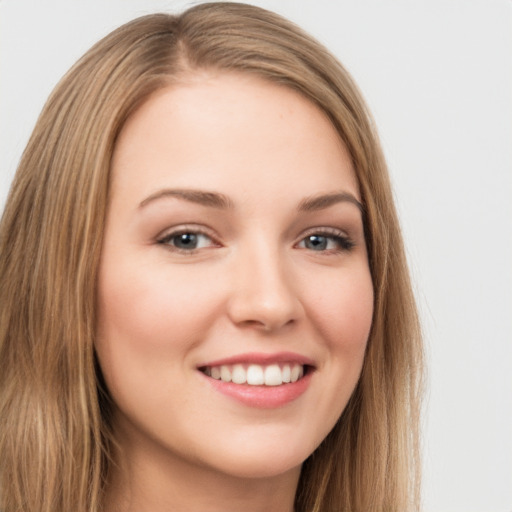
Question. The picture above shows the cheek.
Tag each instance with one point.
(149, 309)
(341, 310)
(147, 324)
(344, 310)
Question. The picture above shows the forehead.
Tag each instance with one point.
(231, 126)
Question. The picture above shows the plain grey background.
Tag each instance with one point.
(438, 77)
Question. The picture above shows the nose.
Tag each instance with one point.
(264, 294)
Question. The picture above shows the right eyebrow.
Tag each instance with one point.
(202, 197)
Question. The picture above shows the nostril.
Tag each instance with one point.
(268, 323)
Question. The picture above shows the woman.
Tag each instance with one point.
(205, 301)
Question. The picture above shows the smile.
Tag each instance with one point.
(257, 374)
(259, 380)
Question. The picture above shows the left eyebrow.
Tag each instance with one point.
(320, 202)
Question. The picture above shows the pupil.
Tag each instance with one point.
(316, 242)
(186, 241)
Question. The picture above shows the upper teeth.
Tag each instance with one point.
(255, 374)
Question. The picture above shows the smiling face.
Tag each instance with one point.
(234, 251)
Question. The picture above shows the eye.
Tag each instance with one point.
(321, 241)
(187, 241)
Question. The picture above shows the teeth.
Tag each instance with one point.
(287, 373)
(273, 375)
(238, 375)
(296, 373)
(225, 373)
(255, 374)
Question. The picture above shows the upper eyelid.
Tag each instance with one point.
(165, 240)
(324, 230)
(187, 228)
(328, 231)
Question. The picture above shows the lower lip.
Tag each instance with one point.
(262, 397)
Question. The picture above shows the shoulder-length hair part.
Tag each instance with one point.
(55, 436)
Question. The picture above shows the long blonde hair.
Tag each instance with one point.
(55, 441)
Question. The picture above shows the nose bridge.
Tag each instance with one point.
(263, 291)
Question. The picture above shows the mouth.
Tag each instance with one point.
(259, 380)
(251, 374)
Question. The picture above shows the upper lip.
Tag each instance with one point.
(261, 359)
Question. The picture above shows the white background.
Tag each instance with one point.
(438, 78)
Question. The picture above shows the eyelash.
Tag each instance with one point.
(166, 239)
(342, 241)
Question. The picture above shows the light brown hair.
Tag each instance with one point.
(55, 441)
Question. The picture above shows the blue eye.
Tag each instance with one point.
(326, 242)
(316, 242)
(187, 241)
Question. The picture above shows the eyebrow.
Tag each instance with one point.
(221, 201)
(320, 202)
(211, 199)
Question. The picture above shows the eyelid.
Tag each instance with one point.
(329, 232)
(323, 230)
(186, 228)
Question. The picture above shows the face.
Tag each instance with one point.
(235, 298)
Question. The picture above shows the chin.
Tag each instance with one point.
(266, 455)
(257, 467)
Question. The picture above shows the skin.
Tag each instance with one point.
(256, 283)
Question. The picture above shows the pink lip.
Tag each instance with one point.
(261, 358)
(262, 397)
